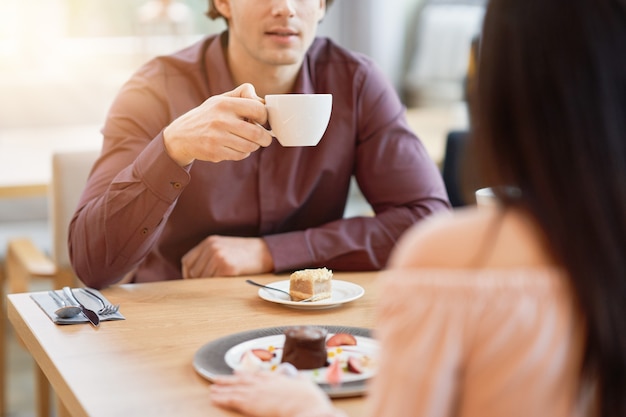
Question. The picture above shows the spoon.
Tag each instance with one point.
(65, 311)
(306, 300)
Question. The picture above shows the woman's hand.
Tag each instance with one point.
(271, 394)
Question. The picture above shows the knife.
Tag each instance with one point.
(90, 314)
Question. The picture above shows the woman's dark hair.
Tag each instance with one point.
(213, 13)
(550, 118)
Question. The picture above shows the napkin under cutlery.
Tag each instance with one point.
(49, 306)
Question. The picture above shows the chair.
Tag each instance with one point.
(24, 261)
(459, 172)
(454, 166)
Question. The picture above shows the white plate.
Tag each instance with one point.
(343, 292)
(219, 356)
(365, 348)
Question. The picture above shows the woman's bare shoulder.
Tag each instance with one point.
(460, 239)
(441, 240)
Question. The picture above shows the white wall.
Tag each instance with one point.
(375, 27)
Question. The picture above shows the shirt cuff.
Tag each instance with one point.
(161, 174)
(290, 251)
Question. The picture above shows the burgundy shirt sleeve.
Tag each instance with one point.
(132, 188)
(114, 231)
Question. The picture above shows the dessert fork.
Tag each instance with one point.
(106, 309)
(306, 300)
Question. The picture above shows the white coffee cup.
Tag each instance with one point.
(486, 197)
(298, 119)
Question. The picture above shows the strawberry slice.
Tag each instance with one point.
(333, 373)
(341, 339)
(263, 354)
(355, 365)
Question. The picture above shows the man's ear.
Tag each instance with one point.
(223, 6)
(322, 11)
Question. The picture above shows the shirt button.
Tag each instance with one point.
(176, 185)
(144, 231)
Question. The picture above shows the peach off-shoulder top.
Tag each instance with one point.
(477, 343)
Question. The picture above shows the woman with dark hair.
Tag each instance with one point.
(552, 120)
(517, 309)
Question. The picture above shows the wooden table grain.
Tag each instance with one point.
(142, 366)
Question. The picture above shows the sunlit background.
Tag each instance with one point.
(61, 61)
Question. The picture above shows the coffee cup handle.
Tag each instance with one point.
(269, 130)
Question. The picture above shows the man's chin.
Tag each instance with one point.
(284, 58)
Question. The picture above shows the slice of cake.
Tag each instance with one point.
(311, 282)
(305, 347)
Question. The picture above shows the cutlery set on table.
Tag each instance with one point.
(77, 305)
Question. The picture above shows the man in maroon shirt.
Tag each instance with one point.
(190, 184)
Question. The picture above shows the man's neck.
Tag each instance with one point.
(266, 79)
(274, 80)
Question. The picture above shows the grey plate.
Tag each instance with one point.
(209, 359)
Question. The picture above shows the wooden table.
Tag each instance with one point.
(142, 366)
(39, 189)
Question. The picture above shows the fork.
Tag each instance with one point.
(306, 300)
(107, 309)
